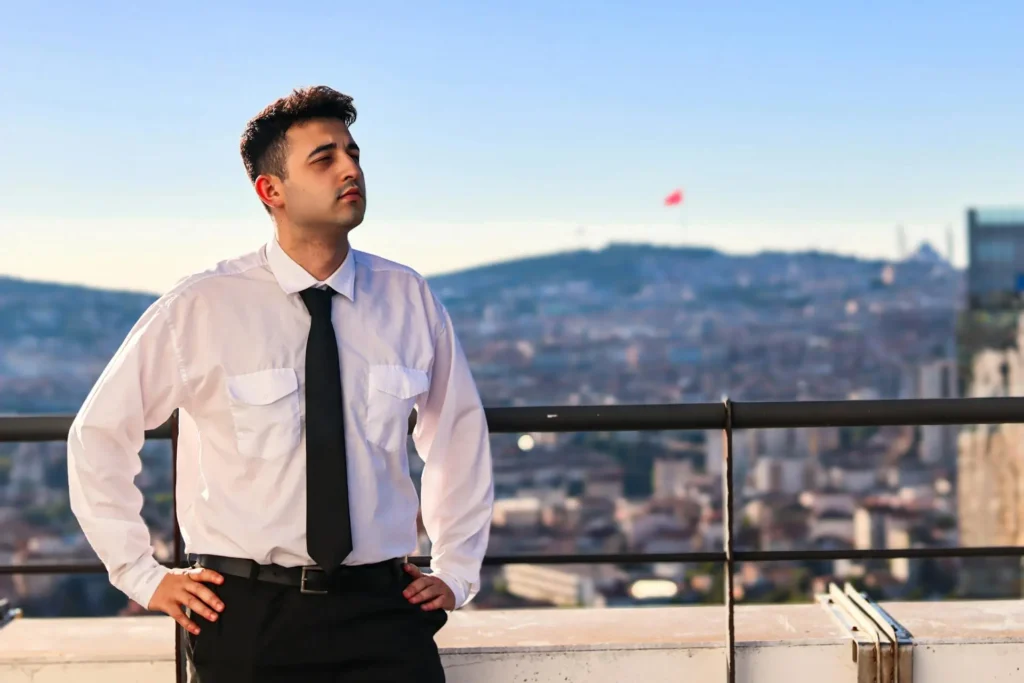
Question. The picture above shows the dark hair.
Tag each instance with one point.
(263, 141)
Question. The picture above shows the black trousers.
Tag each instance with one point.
(365, 631)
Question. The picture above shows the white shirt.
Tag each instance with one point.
(227, 348)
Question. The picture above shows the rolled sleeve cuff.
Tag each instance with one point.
(459, 587)
(139, 580)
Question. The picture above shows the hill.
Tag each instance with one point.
(55, 339)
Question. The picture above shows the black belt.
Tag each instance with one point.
(309, 579)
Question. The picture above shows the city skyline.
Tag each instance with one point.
(498, 133)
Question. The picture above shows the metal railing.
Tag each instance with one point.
(727, 416)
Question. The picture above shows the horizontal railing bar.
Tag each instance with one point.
(758, 415)
(878, 553)
(606, 558)
(58, 568)
(639, 558)
(492, 560)
(41, 428)
(754, 556)
(683, 416)
(899, 412)
(618, 418)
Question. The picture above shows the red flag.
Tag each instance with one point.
(674, 198)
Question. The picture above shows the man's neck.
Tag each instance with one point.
(319, 256)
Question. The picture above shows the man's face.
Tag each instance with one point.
(323, 186)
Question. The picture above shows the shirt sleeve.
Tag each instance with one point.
(139, 389)
(457, 487)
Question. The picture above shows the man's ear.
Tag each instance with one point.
(268, 189)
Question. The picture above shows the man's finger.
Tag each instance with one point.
(436, 603)
(412, 570)
(205, 594)
(428, 593)
(204, 575)
(417, 586)
(197, 606)
(179, 616)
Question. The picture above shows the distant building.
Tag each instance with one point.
(606, 482)
(519, 513)
(935, 379)
(750, 444)
(898, 537)
(990, 480)
(869, 527)
(852, 477)
(563, 586)
(832, 524)
(773, 474)
(995, 274)
(828, 499)
(672, 478)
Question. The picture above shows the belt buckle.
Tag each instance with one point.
(302, 581)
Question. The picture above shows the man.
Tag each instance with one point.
(295, 370)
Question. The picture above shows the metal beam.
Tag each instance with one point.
(685, 416)
(42, 428)
(631, 558)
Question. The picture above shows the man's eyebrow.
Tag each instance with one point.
(332, 146)
(326, 147)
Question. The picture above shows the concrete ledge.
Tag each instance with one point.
(781, 644)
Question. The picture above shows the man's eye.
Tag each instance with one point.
(322, 160)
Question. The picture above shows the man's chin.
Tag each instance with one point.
(348, 220)
(352, 223)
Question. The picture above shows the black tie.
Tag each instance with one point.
(328, 527)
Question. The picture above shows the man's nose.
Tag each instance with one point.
(349, 168)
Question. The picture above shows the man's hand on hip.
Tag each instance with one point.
(184, 588)
(428, 591)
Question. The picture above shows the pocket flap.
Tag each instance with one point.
(399, 380)
(262, 387)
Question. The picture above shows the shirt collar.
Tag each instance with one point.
(294, 278)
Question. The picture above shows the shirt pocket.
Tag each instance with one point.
(392, 393)
(266, 412)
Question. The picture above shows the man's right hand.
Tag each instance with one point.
(184, 587)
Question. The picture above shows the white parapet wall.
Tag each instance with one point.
(954, 642)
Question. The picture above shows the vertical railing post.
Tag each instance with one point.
(181, 675)
(728, 569)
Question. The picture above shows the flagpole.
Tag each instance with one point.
(674, 198)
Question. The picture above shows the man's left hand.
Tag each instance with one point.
(429, 592)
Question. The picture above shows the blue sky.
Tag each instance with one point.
(495, 131)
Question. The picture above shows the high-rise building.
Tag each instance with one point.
(995, 274)
(990, 341)
(990, 479)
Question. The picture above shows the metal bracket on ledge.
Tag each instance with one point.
(883, 650)
(7, 613)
